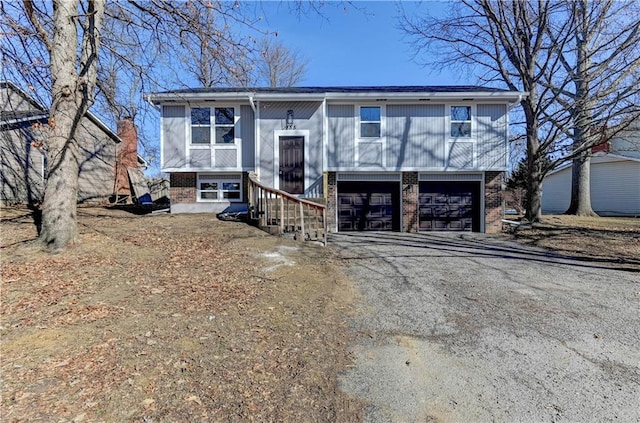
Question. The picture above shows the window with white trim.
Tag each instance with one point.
(460, 121)
(370, 122)
(200, 125)
(220, 188)
(224, 122)
(223, 127)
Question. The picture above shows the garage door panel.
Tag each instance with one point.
(449, 206)
(368, 206)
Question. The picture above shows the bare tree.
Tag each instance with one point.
(277, 65)
(599, 88)
(213, 52)
(72, 39)
(508, 43)
(533, 47)
(55, 48)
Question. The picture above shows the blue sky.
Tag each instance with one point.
(346, 46)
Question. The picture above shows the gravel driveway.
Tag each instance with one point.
(472, 328)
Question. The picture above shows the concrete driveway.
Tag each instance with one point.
(472, 328)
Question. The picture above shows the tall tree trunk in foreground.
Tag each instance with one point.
(73, 82)
(580, 186)
(582, 112)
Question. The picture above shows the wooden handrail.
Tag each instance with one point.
(262, 210)
(252, 178)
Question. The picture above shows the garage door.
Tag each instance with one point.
(449, 206)
(368, 206)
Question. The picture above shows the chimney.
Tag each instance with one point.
(126, 155)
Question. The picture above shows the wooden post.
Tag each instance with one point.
(324, 225)
(281, 214)
(302, 221)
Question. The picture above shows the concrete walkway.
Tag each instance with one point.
(472, 328)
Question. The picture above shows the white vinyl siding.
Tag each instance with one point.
(615, 188)
(174, 128)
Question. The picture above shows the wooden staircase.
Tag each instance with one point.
(281, 213)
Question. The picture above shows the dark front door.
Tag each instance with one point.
(368, 206)
(449, 206)
(292, 164)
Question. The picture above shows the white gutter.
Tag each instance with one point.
(516, 103)
(253, 105)
(512, 97)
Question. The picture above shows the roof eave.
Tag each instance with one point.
(509, 96)
(9, 122)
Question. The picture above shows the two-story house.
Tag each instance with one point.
(401, 158)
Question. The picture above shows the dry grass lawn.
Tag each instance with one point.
(610, 241)
(170, 318)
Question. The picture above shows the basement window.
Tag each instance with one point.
(220, 188)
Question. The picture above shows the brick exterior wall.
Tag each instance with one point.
(410, 190)
(183, 187)
(332, 200)
(493, 202)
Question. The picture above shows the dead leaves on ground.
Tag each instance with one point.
(165, 318)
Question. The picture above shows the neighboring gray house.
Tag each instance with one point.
(614, 178)
(382, 158)
(23, 127)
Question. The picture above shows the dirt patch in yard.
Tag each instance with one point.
(171, 318)
(610, 241)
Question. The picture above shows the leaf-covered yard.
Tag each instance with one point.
(166, 318)
(170, 318)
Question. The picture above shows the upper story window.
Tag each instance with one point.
(461, 121)
(200, 125)
(223, 125)
(370, 122)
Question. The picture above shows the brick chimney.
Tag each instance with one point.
(602, 144)
(126, 155)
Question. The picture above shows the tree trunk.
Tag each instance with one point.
(580, 204)
(533, 202)
(581, 186)
(534, 192)
(59, 225)
(73, 82)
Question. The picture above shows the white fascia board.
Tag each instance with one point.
(290, 97)
(247, 97)
(509, 96)
(161, 98)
